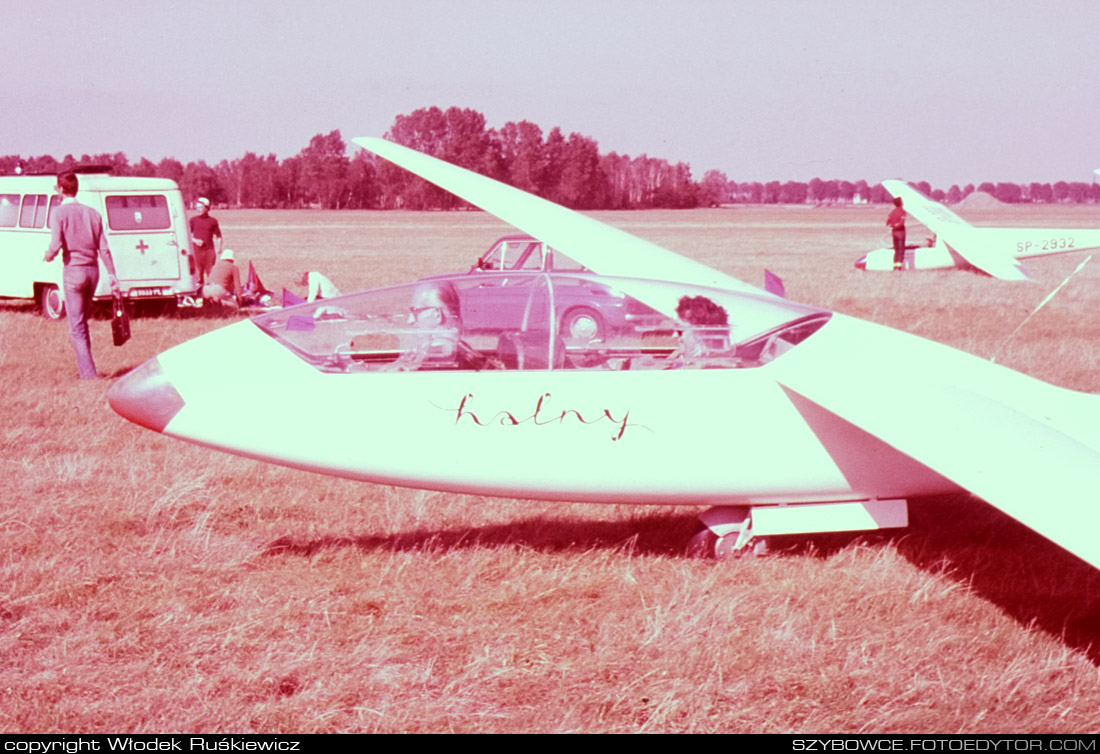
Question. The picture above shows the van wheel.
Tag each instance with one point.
(52, 302)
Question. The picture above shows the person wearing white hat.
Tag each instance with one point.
(206, 235)
(317, 286)
(224, 283)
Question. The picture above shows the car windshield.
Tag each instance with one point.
(524, 253)
(536, 321)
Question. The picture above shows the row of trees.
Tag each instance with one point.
(566, 170)
(818, 191)
(319, 175)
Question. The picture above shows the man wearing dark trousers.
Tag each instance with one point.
(206, 235)
(77, 232)
(896, 221)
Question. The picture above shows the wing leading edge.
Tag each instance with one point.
(1027, 448)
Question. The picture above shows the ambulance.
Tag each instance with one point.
(146, 226)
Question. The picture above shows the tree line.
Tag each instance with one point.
(818, 191)
(568, 170)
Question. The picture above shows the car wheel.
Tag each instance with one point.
(582, 324)
(51, 301)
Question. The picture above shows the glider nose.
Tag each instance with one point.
(861, 263)
(146, 397)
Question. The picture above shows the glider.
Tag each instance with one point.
(958, 244)
(699, 390)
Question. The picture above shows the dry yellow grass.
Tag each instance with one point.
(150, 585)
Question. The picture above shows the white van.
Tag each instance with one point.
(146, 226)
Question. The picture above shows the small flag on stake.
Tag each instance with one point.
(290, 299)
(774, 284)
(254, 287)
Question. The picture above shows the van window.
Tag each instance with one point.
(55, 202)
(138, 212)
(34, 211)
(9, 210)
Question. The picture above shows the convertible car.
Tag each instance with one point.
(498, 286)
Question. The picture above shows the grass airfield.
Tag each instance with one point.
(155, 586)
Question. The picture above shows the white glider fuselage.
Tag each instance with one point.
(687, 436)
(1016, 243)
(936, 257)
(780, 403)
(669, 436)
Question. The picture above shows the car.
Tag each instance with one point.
(496, 292)
(522, 252)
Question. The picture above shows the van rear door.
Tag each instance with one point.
(143, 243)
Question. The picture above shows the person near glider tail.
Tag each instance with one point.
(896, 221)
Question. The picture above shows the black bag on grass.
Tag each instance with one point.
(120, 320)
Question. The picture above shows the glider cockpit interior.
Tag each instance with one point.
(537, 321)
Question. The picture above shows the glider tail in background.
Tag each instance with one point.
(996, 251)
(957, 234)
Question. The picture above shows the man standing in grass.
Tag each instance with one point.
(896, 221)
(204, 229)
(77, 232)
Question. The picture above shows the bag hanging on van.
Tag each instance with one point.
(120, 320)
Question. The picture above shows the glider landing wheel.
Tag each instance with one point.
(726, 532)
(702, 544)
(51, 301)
(706, 544)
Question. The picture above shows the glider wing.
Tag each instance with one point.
(599, 247)
(1025, 447)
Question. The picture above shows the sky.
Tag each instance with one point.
(951, 92)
